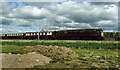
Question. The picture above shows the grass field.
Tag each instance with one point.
(79, 44)
(92, 54)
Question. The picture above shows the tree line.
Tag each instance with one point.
(112, 36)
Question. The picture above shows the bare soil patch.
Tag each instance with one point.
(23, 61)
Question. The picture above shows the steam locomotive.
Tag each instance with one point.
(79, 34)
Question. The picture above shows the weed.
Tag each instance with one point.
(53, 61)
(61, 61)
(75, 65)
(83, 59)
(67, 64)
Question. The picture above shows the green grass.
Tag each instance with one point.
(11, 49)
(80, 45)
(99, 57)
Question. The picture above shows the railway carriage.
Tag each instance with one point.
(80, 34)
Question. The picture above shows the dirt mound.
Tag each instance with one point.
(23, 61)
(54, 52)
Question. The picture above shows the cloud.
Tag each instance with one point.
(1, 29)
(106, 23)
(6, 21)
(66, 15)
(29, 12)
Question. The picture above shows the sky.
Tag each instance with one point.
(19, 17)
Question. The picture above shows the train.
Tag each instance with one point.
(78, 34)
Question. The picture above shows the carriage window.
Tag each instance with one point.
(40, 33)
(27, 34)
(47, 33)
(50, 33)
(43, 33)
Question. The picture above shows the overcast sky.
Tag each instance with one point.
(28, 17)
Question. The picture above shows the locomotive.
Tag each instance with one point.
(79, 34)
